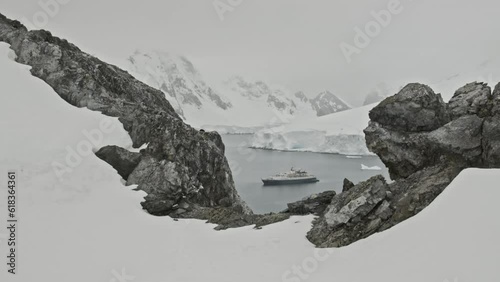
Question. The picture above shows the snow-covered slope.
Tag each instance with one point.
(256, 98)
(89, 227)
(340, 133)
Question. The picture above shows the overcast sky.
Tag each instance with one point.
(295, 43)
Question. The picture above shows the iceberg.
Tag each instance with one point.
(364, 167)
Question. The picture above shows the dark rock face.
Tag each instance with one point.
(181, 169)
(411, 195)
(315, 204)
(351, 212)
(120, 159)
(281, 103)
(301, 96)
(459, 139)
(495, 98)
(327, 103)
(472, 99)
(347, 185)
(415, 108)
(425, 143)
(491, 141)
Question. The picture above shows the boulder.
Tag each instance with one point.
(415, 108)
(406, 152)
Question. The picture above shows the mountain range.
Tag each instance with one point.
(237, 101)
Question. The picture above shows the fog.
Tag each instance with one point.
(293, 43)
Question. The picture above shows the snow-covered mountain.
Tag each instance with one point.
(177, 77)
(276, 98)
(237, 104)
(327, 103)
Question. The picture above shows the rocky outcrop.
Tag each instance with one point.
(415, 108)
(472, 99)
(120, 159)
(350, 213)
(314, 204)
(462, 141)
(425, 143)
(181, 168)
(347, 185)
(495, 98)
(226, 218)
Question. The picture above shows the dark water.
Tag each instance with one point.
(250, 165)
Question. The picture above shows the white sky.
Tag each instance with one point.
(294, 43)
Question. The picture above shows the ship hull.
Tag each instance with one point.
(270, 182)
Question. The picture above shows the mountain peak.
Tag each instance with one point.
(301, 96)
(177, 77)
(326, 103)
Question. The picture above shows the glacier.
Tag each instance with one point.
(339, 133)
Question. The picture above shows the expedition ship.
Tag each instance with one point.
(292, 177)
